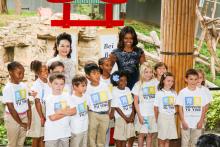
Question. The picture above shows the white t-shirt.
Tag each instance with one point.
(107, 82)
(43, 90)
(98, 97)
(192, 102)
(79, 122)
(60, 128)
(123, 100)
(146, 94)
(67, 89)
(16, 94)
(165, 101)
(207, 93)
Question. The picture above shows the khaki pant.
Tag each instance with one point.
(190, 137)
(63, 142)
(98, 126)
(79, 140)
(15, 133)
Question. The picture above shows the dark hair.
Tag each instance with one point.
(54, 76)
(55, 64)
(101, 62)
(203, 74)
(208, 140)
(191, 72)
(160, 64)
(79, 79)
(63, 36)
(13, 65)
(115, 77)
(163, 77)
(123, 32)
(88, 68)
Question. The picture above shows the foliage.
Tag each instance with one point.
(213, 117)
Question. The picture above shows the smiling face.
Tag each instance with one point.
(128, 40)
(106, 66)
(17, 75)
(57, 86)
(63, 48)
(192, 81)
(43, 73)
(168, 82)
(160, 71)
(148, 74)
(122, 83)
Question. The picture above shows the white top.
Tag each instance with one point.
(98, 97)
(207, 93)
(123, 100)
(16, 94)
(79, 122)
(60, 128)
(67, 89)
(108, 82)
(43, 90)
(192, 102)
(69, 64)
(146, 94)
(165, 101)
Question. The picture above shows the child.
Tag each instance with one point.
(79, 122)
(124, 116)
(98, 98)
(105, 70)
(41, 87)
(164, 109)
(128, 56)
(63, 49)
(58, 110)
(58, 67)
(191, 101)
(160, 68)
(18, 110)
(144, 96)
(208, 140)
(201, 84)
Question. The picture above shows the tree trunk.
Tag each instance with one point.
(3, 7)
(17, 6)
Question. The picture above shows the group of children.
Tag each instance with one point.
(71, 117)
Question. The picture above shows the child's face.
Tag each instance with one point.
(200, 79)
(81, 88)
(107, 66)
(192, 81)
(94, 76)
(160, 71)
(148, 74)
(17, 74)
(168, 82)
(57, 86)
(58, 69)
(122, 83)
(128, 40)
(63, 48)
(43, 74)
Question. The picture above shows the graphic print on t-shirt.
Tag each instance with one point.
(82, 109)
(60, 105)
(126, 101)
(168, 102)
(149, 92)
(20, 97)
(193, 103)
(99, 99)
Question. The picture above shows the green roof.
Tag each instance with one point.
(88, 2)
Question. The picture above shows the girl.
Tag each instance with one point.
(128, 56)
(144, 96)
(105, 70)
(201, 84)
(160, 68)
(42, 89)
(164, 110)
(58, 67)
(124, 116)
(62, 53)
(18, 109)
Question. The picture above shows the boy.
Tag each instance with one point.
(191, 103)
(98, 97)
(79, 122)
(58, 110)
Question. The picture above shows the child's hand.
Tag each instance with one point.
(199, 124)
(131, 119)
(42, 121)
(141, 119)
(127, 119)
(33, 93)
(23, 125)
(185, 125)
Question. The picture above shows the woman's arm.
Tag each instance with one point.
(112, 58)
(142, 58)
